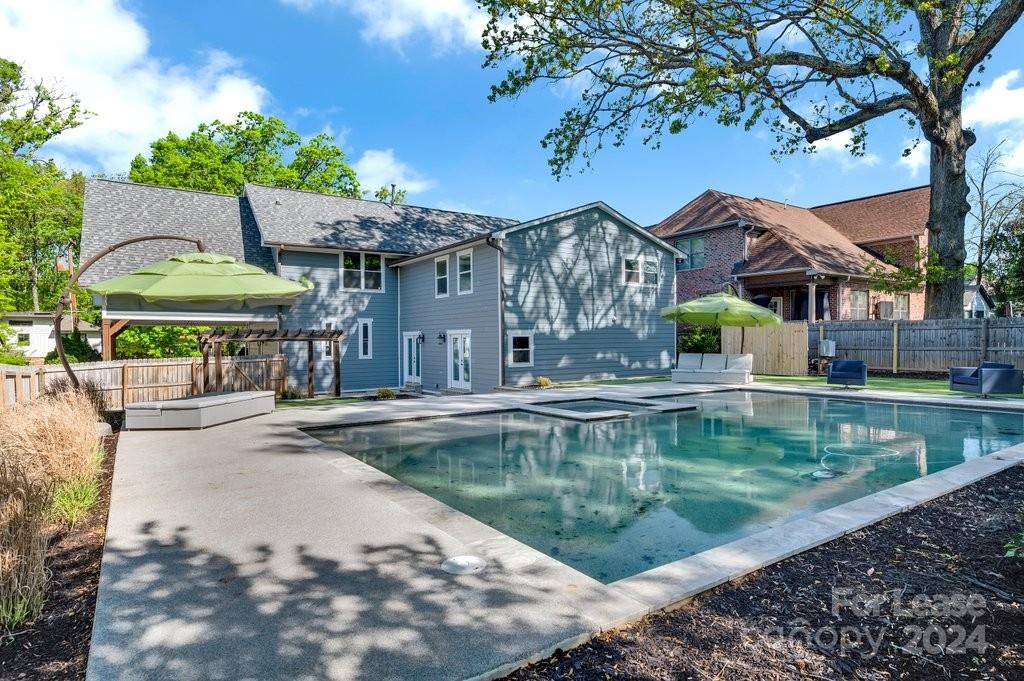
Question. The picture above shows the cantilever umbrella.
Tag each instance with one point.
(721, 309)
(204, 278)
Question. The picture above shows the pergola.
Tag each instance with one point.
(216, 338)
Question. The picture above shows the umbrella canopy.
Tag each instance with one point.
(203, 278)
(721, 309)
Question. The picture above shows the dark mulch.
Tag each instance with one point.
(56, 645)
(952, 545)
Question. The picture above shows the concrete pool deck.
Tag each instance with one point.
(254, 551)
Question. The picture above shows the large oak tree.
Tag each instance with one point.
(810, 69)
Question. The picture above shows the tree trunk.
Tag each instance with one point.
(944, 298)
(33, 277)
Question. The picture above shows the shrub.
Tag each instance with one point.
(544, 382)
(51, 439)
(386, 394)
(291, 394)
(91, 390)
(23, 541)
(14, 358)
(76, 349)
(73, 499)
(699, 339)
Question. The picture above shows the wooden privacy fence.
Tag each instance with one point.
(778, 350)
(139, 380)
(931, 345)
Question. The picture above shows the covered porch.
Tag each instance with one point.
(797, 296)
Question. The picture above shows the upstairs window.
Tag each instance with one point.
(640, 271)
(362, 271)
(465, 260)
(693, 254)
(441, 276)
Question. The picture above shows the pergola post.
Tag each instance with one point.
(309, 369)
(109, 331)
(217, 365)
(206, 367)
(336, 355)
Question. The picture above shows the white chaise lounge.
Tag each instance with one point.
(692, 367)
(201, 411)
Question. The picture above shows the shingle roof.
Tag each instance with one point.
(115, 211)
(882, 216)
(287, 216)
(795, 238)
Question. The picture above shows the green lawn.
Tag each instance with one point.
(927, 386)
(316, 402)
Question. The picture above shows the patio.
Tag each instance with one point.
(252, 550)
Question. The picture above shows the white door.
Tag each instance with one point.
(412, 366)
(459, 360)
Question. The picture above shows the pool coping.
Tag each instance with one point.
(673, 584)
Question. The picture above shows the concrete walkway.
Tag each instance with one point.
(254, 551)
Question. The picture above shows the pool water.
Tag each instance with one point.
(594, 405)
(615, 498)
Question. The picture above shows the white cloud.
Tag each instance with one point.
(448, 23)
(379, 168)
(996, 104)
(835, 148)
(98, 50)
(917, 159)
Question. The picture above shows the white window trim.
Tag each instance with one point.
(447, 276)
(458, 272)
(508, 340)
(640, 259)
(359, 330)
(449, 333)
(777, 311)
(362, 272)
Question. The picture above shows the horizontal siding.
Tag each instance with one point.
(329, 303)
(477, 312)
(564, 282)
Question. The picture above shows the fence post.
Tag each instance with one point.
(124, 384)
(984, 340)
(895, 346)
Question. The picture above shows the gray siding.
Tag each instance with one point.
(329, 303)
(564, 282)
(477, 312)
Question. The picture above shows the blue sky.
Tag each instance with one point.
(400, 83)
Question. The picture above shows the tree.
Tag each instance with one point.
(997, 200)
(808, 69)
(390, 194)
(31, 114)
(222, 157)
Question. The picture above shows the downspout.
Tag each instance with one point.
(493, 243)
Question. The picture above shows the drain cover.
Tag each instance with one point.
(463, 565)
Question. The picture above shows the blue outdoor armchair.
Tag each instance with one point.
(990, 378)
(847, 372)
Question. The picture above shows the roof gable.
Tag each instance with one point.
(301, 218)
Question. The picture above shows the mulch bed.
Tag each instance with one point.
(56, 645)
(778, 623)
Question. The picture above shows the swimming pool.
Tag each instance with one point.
(615, 498)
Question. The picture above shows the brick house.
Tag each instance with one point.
(803, 263)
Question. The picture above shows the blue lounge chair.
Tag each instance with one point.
(990, 378)
(847, 372)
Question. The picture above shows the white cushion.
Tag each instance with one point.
(713, 363)
(741, 363)
(688, 360)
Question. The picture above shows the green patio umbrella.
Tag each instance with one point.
(204, 278)
(721, 309)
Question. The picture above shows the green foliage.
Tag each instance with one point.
(902, 277)
(13, 358)
(1015, 547)
(159, 341)
(32, 114)
(699, 339)
(386, 394)
(222, 157)
(73, 499)
(385, 194)
(76, 349)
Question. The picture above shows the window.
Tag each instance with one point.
(902, 308)
(441, 276)
(362, 271)
(520, 348)
(693, 254)
(640, 270)
(858, 304)
(365, 339)
(23, 339)
(465, 260)
(775, 305)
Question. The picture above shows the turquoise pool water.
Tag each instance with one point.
(590, 406)
(615, 498)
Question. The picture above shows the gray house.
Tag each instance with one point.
(446, 300)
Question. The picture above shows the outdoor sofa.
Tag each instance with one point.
(988, 379)
(695, 367)
(847, 372)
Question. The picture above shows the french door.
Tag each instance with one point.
(459, 360)
(412, 363)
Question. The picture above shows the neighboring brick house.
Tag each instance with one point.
(804, 263)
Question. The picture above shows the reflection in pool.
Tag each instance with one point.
(615, 498)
